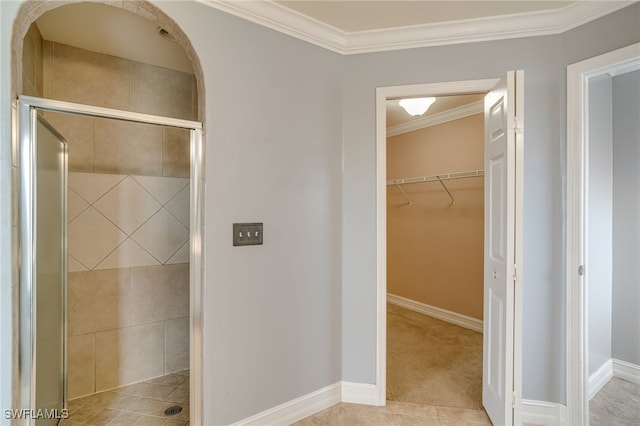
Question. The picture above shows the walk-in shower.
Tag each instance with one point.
(44, 250)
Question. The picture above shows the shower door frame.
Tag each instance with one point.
(28, 108)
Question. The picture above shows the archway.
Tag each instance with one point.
(28, 14)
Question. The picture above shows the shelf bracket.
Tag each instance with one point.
(453, 201)
(405, 195)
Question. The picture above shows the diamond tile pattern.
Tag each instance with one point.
(120, 221)
(128, 205)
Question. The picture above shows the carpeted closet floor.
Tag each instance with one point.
(432, 362)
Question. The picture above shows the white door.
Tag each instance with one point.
(501, 134)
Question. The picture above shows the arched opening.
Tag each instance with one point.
(128, 303)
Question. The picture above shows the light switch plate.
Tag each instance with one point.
(247, 234)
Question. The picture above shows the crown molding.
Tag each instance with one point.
(280, 18)
(287, 21)
(435, 119)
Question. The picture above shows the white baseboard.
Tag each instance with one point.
(297, 409)
(600, 378)
(626, 370)
(360, 393)
(543, 412)
(438, 313)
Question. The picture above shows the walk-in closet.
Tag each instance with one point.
(435, 226)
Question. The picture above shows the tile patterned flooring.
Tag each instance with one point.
(138, 404)
(396, 414)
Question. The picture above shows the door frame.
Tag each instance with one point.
(431, 89)
(26, 106)
(578, 77)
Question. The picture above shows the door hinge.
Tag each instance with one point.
(515, 272)
(517, 125)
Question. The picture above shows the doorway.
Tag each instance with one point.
(43, 391)
(598, 164)
(435, 194)
(503, 169)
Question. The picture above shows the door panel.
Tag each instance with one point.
(499, 268)
(50, 279)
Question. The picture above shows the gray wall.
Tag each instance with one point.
(544, 60)
(599, 225)
(272, 320)
(626, 211)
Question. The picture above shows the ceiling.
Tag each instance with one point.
(364, 15)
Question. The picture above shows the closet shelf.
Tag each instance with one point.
(434, 178)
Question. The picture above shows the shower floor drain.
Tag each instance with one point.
(172, 411)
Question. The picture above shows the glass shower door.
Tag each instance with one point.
(50, 283)
(44, 270)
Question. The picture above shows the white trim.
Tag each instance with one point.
(543, 413)
(578, 75)
(600, 378)
(285, 20)
(382, 94)
(360, 393)
(435, 312)
(627, 371)
(437, 118)
(297, 409)
(518, 305)
(280, 18)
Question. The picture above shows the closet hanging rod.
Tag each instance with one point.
(436, 178)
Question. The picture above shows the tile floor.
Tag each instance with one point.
(396, 414)
(138, 404)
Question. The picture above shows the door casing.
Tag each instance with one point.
(431, 89)
(579, 74)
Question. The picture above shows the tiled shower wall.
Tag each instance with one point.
(128, 211)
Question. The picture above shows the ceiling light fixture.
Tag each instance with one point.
(416, 106)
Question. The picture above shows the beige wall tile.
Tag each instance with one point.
(163, 189)
(130, 148)
(179, 206)
(127, 205)
(39, 63)
(92, 237)
(92, 186)
(194, 99)
(128, 355)
(47, 72)
(176, 345)
(162, 235)
(32, 61)
(89, 78)
(176, 152)
(75, 204)
(98, 300)
(28, 88)
(182, 255)
(159, 293)
(78, 132)
(128, 254)
(161, 91)
(81, 364)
